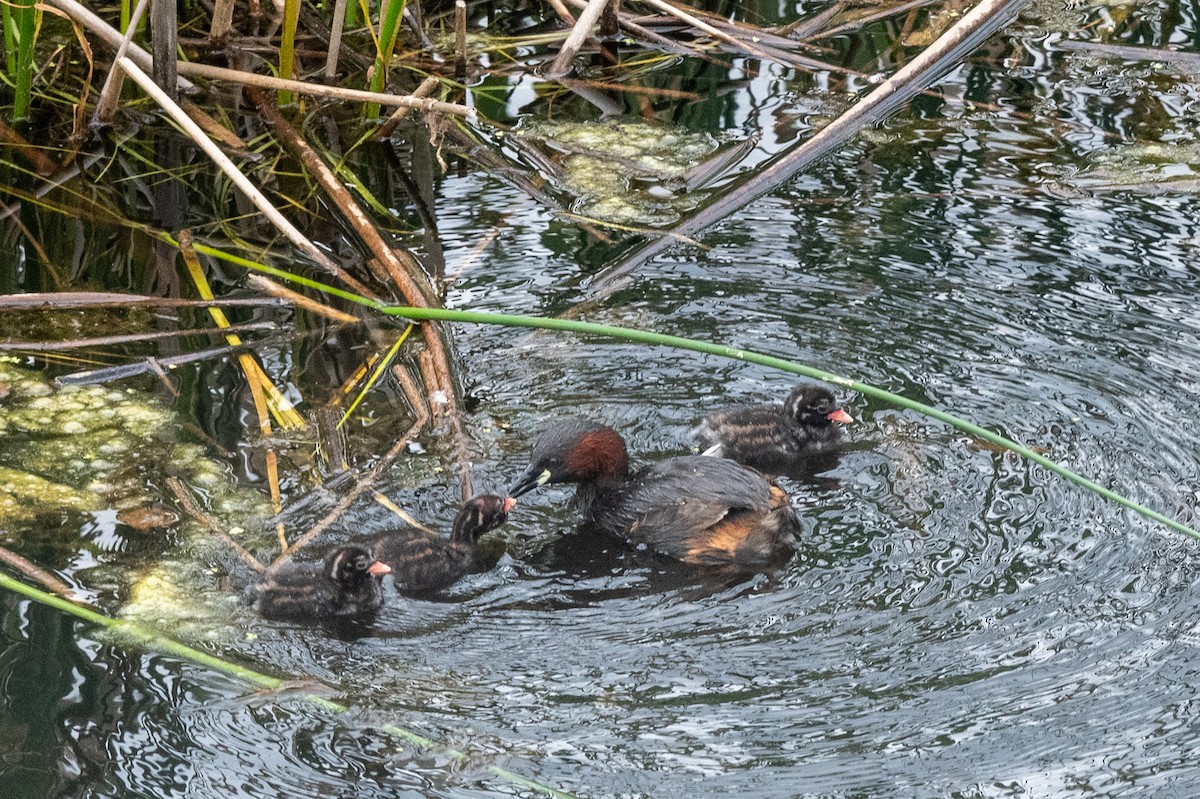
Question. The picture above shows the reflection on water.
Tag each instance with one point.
(957, 623)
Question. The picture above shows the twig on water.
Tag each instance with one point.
(189, 505)
(128, 338)
(37, 573)
(364, 483)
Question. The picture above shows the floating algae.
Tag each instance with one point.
(91, 449)
(24, 495)
(622, 171)
(184, 597)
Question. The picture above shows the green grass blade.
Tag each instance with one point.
(384, 363)
(734, 353)
(10, 39)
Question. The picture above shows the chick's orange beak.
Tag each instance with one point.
(840, 416)
(509, 503)
(379, 569)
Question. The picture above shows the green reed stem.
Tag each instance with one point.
(287, 49)
(137, 635)
(10, 39)
(389, 27)
(658, 339)
(26, 21)
(678, 342)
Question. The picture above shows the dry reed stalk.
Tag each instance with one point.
(192, 509)
(222, 21)
(57, 301)
(272, 461)
(460, 38)
(424, 90)
(323, 261)
(216, 130)
(335, 39)
(631, 26)
(37, 573)
(244, 78)
(805, 27)
(418, 404)
(42, 164)
(874, 16)
(579, 33)
(700, 24)
(110, 93)
(563, 13)
(261, 386)
(404, 515)
(268, 286)
(403, 272)
(433, 391)
(164, 39)
(127, 338)
(610, 19)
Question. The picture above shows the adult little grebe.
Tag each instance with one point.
(700, 510)
(346, 583)
(422, 561)
(766, 436)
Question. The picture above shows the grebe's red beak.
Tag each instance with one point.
(840, 416)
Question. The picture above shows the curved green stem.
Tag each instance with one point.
(659, 339)
(678, 342)
(140, 636)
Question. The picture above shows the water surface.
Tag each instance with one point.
(957, 623)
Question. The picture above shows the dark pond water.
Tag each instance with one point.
(957, 623)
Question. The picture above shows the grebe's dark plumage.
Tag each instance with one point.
(696, 509)
(422, 561)
(767, 436)
(345, 583)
